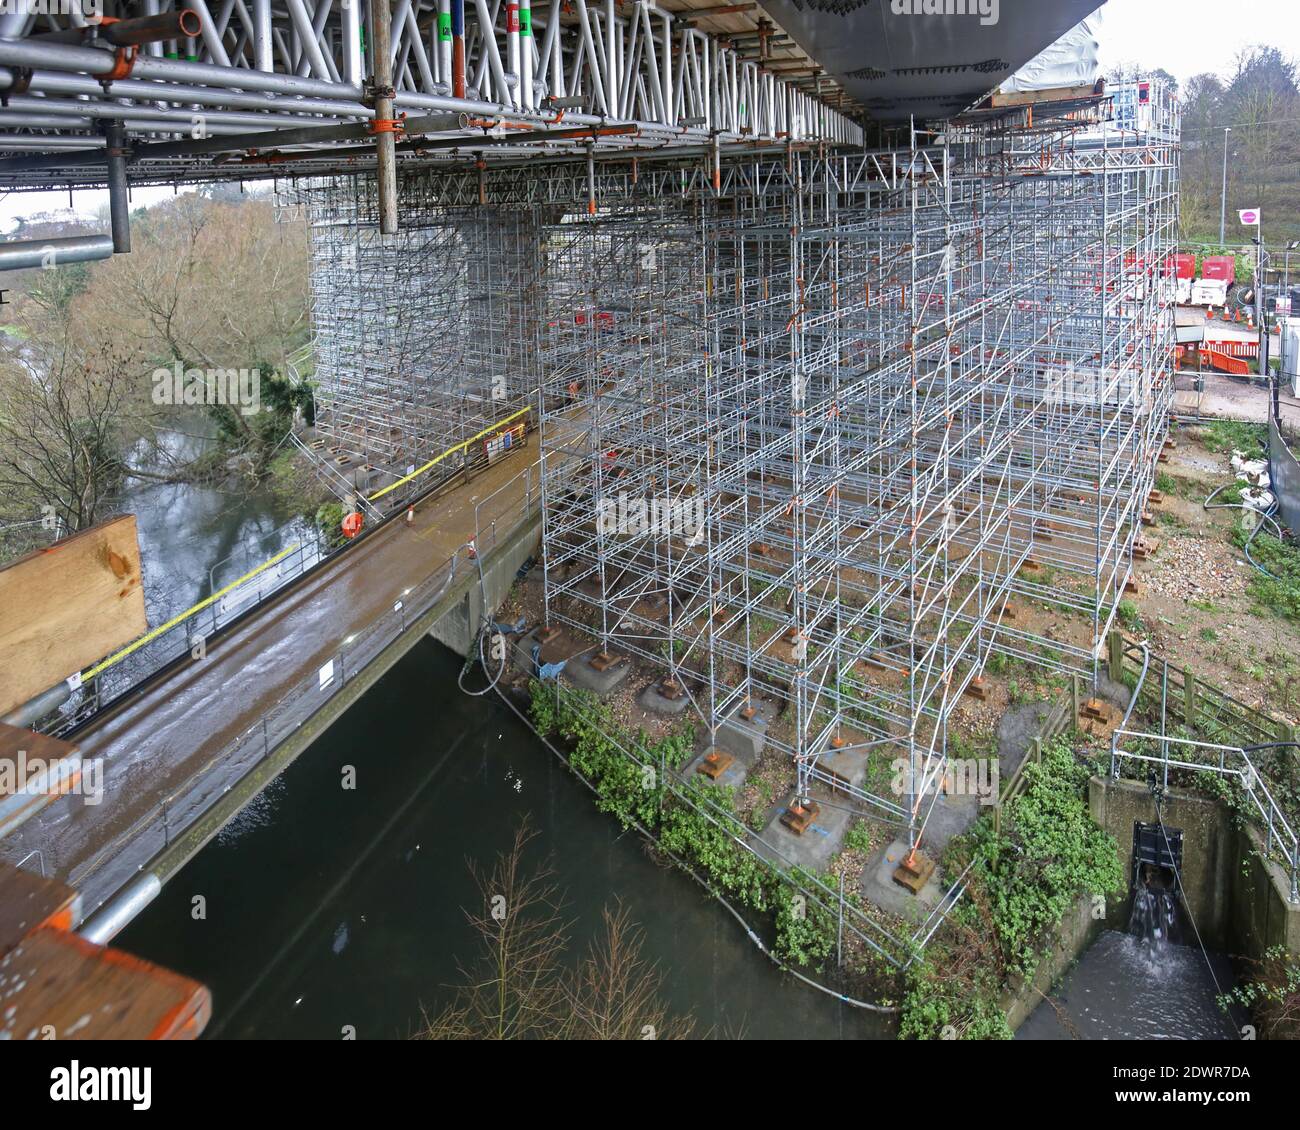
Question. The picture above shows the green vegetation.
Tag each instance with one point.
(858, 837)
(1271, 993)
(1227, 436)
(329, 520)
(1280, 593)
(262, 432)
(1024, 880)
(1049, 853)
(83, 409)
(696, 822)
(1128, 616)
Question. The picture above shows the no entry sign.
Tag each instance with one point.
(1250, 217)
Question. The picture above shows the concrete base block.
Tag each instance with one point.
(725, 770)
(581, 673)
(521, 662)
(743, 738)
(878, 886)
(815, 846)
(653, 700)
(847, 766)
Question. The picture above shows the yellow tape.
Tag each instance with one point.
(438, 459)
(202, 604)
(117, 657)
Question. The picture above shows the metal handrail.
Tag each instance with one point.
(526, 507)
(1252, 781)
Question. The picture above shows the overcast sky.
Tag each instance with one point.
(1190, 37)
(1185, 37)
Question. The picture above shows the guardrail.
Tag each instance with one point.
(198, 624)
(497, 508)
(1229, 761)
(168, 814)
(1280, 840)
(1177, 692)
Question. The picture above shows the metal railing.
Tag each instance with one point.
(163, 815)
(1224, 760)
(181, 635)
(120, 673)
(1233, 762)
(498, 508)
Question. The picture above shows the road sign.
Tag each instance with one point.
(1250, 217)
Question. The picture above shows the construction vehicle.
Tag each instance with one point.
(1217, 288)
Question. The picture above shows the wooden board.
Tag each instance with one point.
(1033, 97)
(62, 985)
(67, 606)
(28, 902)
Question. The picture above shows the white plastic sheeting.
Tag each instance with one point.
(1073, 60)
(1290, 345)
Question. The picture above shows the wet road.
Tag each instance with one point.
(153, 745)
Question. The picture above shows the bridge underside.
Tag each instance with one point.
(247, 89)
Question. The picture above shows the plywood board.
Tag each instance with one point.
(67, 988)
(29, 901)
(65, 607)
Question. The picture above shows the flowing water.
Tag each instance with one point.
(1140, 985)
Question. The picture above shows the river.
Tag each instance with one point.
(329, 907)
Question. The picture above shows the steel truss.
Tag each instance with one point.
(638, 75)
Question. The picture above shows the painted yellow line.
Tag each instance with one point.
(451, 450)
(202, 604)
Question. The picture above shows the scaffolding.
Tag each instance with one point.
(423, 338)
(826, 432)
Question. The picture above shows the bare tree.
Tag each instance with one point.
(63, 411)
(519, 986)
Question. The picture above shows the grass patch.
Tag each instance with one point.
(1226, 436)
(1129, 616)
(1280, 593)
